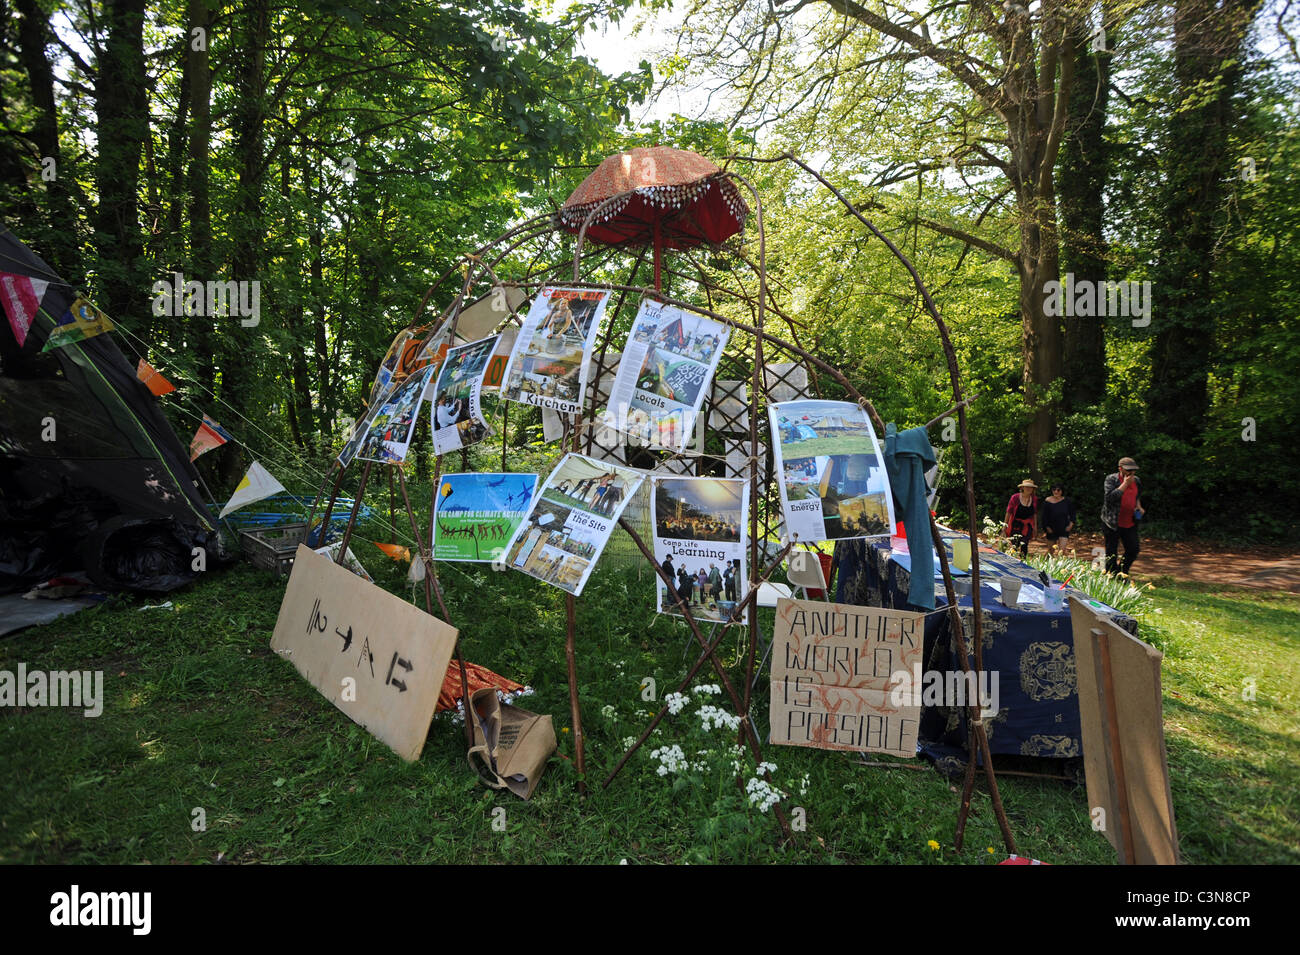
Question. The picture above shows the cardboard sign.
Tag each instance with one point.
(833, 667)
(373, 655)
(1136, 751)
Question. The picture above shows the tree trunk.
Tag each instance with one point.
(202, 264)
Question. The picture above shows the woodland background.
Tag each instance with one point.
(344, 154)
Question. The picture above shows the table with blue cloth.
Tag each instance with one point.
(1031, 651)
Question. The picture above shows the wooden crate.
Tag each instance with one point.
(272, 548)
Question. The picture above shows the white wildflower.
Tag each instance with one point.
(607, 711)
(713, 716)
(676, 702)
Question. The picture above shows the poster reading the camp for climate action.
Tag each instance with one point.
(569, 523)
(700, 541)
(548, 366)
(478, 514)
(830, 472)
(668, 363)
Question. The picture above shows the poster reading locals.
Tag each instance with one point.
(548, 366)
(570, 522)
(457, 407)
(478, 514)
(700, 544)
(667, 365)
(832, 477)
(392, 423)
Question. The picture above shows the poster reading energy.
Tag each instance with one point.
(478, 514)
(548, 366)
(570, 522)
(831, 475)
(392, 423)
(667, 365)
(457, 407)
(700, 544)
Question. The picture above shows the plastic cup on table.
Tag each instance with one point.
(1010, 587)
(961, 553)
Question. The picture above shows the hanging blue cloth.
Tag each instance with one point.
(908, 456)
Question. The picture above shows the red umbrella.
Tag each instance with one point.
(670, 198)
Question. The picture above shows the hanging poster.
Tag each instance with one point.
(478, 514)
(548, 366)
(831, 475)
(412, 350)
(392, 423)
(700, 541)
(570, 522)
(496, 366)
(457, 397)
(667, 366)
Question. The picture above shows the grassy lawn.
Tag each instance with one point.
(200, 714)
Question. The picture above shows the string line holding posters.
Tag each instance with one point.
(700, 541)
(569, 523)
(457, 409)
(667, 365)
(830, 471)
(548, 366)
(478, 514)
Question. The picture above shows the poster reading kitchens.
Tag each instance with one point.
(457, 406)
(667, 365)
(832, 477)
(700, 544)
(548, 366)
(571, 520)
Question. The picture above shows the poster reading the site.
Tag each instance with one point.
(457, 397)
(667, 365)
(700, 541)
(548, 366)
(478, 514)
(569, 523)
(831, 474)
(392, 423)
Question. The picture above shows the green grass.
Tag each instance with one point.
(199, 713)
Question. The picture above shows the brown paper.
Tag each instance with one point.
(511, 745)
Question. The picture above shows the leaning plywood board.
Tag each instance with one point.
(377, 658)
(1135, 678)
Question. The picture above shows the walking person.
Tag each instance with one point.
(1056, 515)
(1121, 509)
(1021, 524)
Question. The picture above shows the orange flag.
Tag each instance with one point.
(396, 551)
(155, 382)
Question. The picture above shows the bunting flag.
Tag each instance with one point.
(210, 435)
(152, 379)
(78, 323)
(256, 486)
(396, 552)
(21, 297)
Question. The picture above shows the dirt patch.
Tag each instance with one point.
(1204, 562)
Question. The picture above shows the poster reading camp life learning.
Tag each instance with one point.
(700, 544)
(478, 514)
(831, 474)
(548, 366)
(457, 406)
(569, 523)
(392, 423)
(667, 365)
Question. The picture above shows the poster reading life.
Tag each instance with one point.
(548, 366)
(832, 477)
(667, 365)
(478, 514)
(700, 544)
(569, 523)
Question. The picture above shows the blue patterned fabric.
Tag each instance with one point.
(1031, 651)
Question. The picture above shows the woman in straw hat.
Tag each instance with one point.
(1022, 517)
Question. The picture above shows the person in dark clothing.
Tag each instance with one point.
(729, 581)
(1022, 517)
(1056, 516)
(1121, 509)
(669, 571)
(685, 582)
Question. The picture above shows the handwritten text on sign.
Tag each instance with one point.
(833, 666)
(373, 655)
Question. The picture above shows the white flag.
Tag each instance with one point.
(256, 485)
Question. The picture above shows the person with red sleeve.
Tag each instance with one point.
(1121, 510)
(1021, 524)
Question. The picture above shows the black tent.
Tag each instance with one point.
(92, 477)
